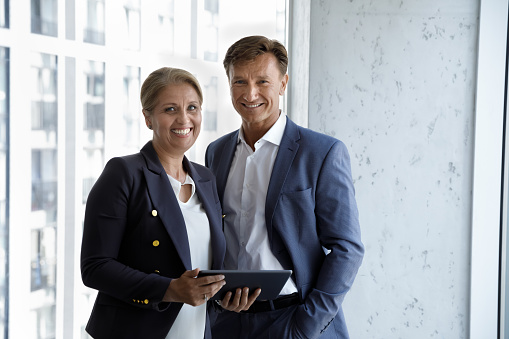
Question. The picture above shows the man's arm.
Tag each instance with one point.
(338, 229)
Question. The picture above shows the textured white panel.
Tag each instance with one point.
(395, 81)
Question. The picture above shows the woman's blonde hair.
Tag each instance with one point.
(160, 79)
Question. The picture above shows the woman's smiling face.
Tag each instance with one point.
(176, 119)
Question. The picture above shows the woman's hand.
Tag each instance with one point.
(241, 301)
(191, 290)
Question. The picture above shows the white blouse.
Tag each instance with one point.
(190, 322)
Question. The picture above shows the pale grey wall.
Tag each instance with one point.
(395, 81)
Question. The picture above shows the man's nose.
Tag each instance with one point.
(251, 93)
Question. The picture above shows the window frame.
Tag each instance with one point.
(487, 196)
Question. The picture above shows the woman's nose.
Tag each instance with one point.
(183, 117)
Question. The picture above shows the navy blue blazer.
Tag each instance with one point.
(310, 203)
(135, 242)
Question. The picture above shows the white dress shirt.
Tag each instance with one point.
(247, 242)
(190, 322)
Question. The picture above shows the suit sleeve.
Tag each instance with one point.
(338, 230)
(104, 228)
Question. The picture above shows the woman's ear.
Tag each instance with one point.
(148, 120)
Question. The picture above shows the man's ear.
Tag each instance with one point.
(284, 82)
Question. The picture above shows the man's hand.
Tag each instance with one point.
(241, 301)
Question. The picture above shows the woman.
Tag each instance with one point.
(151, 218)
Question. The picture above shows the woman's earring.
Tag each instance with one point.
(150, 126)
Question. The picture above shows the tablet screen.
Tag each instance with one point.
(270, 281)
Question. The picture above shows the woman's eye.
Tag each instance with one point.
(192, 107)
(170, 109)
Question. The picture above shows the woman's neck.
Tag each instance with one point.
(173, 165)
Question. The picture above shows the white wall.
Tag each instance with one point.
(395, 81)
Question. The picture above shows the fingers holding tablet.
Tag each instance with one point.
(241, 300)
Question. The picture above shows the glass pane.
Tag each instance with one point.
(4, 13)
(4, 180)
(132, 24)
(166, 26)
(210, 31)
(44, 195)
(93, 125)
(131, 109)
(44, 17)
(94, 25)
(210, 105)
(281, 21)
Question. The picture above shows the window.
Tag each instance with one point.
(166, 25)
(131, 109)
(489, 279)
(44, 194)
(44, 17)
(94, 26)
(93, 124)
(210, 113)
(4, 13)
(78, 105)
(132, 24)
(211, 17)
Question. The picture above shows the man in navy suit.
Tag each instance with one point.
(288, 202)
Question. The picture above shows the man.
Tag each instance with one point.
(288, 203)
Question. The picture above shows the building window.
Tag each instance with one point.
(132, 24)
(211, 22)
(44, 17)
(166, 26)
(131, 111)
(281, 8)
(44, 194)
(4, 13)
(93, 125)
(94, 26)
(92, 96)
(210, 112)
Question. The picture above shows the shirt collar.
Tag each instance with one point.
(274, 134)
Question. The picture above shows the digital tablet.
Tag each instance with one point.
(270, 281)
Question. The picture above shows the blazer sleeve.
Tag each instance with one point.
(104, 228)
(338, 230)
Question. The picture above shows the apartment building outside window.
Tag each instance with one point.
(72, 99)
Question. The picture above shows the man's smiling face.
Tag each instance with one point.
(255, 87)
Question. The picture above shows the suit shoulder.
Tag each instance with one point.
(222, 140)
(203, 171)
(130, 161)
(319, 139)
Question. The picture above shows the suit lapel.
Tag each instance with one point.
(284, 159)
(224, 164)
(205, 192)
(165, 203)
